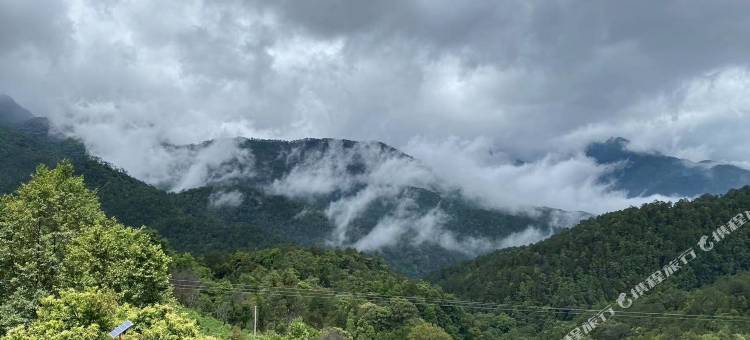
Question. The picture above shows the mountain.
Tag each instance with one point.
(588, 265)
(644, 174)
(70, 272)
(366, 195)
(256, 195)
(251, 194)
(11, 113)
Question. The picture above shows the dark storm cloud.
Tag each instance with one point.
(487, 82)
(576, 62)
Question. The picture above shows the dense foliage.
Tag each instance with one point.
(189, 222)
(91, 314)
(67, 271)
(592, 263)
(293, 283)
(728, 296)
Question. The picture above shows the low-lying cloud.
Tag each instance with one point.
(407, 225)
(497, 99)
(564, 181)
(229, 199)
(367, 173)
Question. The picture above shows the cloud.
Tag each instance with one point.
(332, 169)
(231, 199)
(568, 181)
(358, 175)
(367, 177)
(391, 229)
(707, 108)
(220, 161)
(486, 83)
(407, 226)
(179, 168)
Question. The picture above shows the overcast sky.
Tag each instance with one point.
(520, 79)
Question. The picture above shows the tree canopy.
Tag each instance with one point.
(66, 268)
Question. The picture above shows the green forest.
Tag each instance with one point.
(84, 246)
(69, 271)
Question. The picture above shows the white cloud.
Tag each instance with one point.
(407, 225)
(359, 174)
(382, 176)
(563, 181)
(505, 80)
(702, 119)
(219, 199)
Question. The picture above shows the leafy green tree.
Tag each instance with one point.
(299, 330)
(119, 258)
(161, 322)
(86, 315)
(427, 331)
(91, 314)
(54, 236)
(36, 225)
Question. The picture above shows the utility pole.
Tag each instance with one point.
(255, 320)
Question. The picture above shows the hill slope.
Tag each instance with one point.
(416, 228)
(601, 257)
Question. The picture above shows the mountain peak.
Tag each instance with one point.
(11, 113)
(617, 141)
(612, 150)
(649, 173)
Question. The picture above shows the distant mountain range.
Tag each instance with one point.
(644, 174)
(313, 192)
(248, 194)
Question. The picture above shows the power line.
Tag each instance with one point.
(322, 293)
(540, 310)
(422, 299)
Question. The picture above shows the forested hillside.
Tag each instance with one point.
(83, 273)
(327, 289)
(267, 250)
(251, 212)
(69, 271)
(590, 264)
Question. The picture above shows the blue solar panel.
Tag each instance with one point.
(121, 328)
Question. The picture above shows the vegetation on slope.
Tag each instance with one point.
(293, 283)
(190, 223)
(592, 263)
(68, 271)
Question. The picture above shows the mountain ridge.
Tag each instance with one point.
(645, 174)
(435, 229)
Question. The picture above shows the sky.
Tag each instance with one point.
(467, 87)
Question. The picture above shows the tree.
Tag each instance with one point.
(92, 313)
(54, 236)
(428, 331)
(36, 225)
(299, 330)
(122, 259)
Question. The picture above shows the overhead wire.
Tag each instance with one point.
(327, 293)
